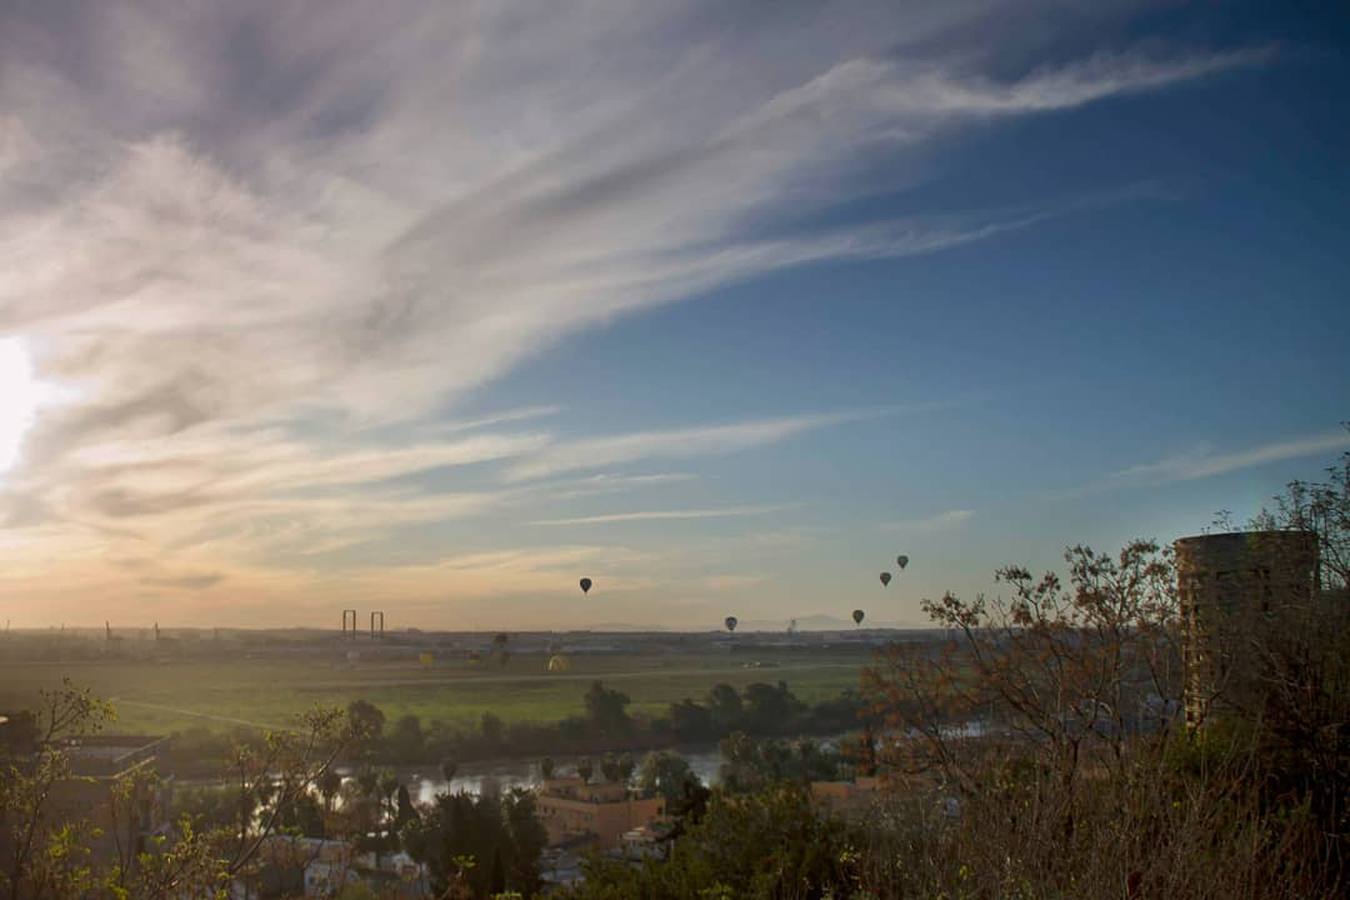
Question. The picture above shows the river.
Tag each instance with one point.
(424, 783)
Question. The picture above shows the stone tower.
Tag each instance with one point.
(1237, 591)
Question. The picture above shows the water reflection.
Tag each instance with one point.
(477, 778)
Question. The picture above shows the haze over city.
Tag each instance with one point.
(720, 305)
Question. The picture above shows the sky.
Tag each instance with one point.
(436, 308)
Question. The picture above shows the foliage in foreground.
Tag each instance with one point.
(1079, 780)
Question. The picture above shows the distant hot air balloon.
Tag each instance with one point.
(885, 578)
(858, 616)
(731, 623)
(559, 663)
(902, 560)
(586, 585)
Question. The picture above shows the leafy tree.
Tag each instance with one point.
(691, 721)
(585, 769)
(38, 856)
(546, 767)
(769, 845)
(479, 843)
(270, 790)
(752, 765)
(667, 774)
(770, 708)
(725, 708)
(492, 729)
(406, 740)
(607, 710)
(369, 719)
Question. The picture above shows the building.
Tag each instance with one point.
(1238, 592)
(572, 808)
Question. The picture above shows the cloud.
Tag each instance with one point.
(186, 582)
(608, 484)
(519, 414)
(677, 443)
(668, 515)
(943, 521)
(1204, 463)
(265, 256)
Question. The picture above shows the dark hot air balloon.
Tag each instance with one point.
(885, 578)
(586, 585)
(902, 561)
(731, 623)
(858, 616)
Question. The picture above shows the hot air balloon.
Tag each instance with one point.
(902, 560)
(731, 623)
(559, 663)
(858, 616)
(586, 585)
(885, 578)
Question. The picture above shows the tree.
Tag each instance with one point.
(449, 766)
(607, 710)
(773, 844)
(483, 843)
(770, 708)
(1324, 509)
(37, 850)
(546, 767)
(691, 721)
(585, 769)
(369, 719)
(407, 812)
(406, 740)
(492, 729)
(1063, 668)
(270, 790)
(725, 708)
(667, 774)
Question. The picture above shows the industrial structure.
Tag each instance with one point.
(1238, 593)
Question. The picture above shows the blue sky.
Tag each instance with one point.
(437, 309)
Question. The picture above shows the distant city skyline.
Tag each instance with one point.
(438, 308)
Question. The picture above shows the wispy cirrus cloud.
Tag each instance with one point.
(669, 515)
(943, 521)
(252, 246)
(1206, 463)
(672, 444)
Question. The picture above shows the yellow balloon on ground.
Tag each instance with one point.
(559, 664)
(426, 659)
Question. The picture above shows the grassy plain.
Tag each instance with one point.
(158, 697)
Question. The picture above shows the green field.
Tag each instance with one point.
(159, 697)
